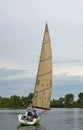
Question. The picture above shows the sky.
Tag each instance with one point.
(22, 24)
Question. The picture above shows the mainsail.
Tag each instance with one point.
(43, 86)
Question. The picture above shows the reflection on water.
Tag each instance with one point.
(27, 128)
(56, 119)
(36, 127)
(73, 119)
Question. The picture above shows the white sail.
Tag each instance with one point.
(43, 86)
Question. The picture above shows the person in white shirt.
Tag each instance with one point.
(29, 111)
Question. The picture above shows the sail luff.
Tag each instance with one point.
(42, 92)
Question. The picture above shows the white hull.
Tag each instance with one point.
(26, 122)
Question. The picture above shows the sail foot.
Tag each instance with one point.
(42, 108)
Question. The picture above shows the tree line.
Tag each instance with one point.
(17, 102)
(68, 101)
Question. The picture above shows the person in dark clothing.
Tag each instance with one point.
(35, 113)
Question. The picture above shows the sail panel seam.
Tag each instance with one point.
(46, 42)
(46, 59)
(42, 90)
(45, 73)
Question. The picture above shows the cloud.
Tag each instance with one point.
(69, 69)
(19, 86)
(64, 84)
(15, 82)
(6, 73)
(69, 61)
(21, 40)
(22, 83)
(21, 34)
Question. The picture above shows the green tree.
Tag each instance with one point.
(53, 103)
(15, 101)
(57, 103)
(69, 100)
(80, 99)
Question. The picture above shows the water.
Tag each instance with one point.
(56, 119)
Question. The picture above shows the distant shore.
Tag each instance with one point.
(17, 102)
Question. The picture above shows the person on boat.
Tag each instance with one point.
(29, 111)
(35, 113)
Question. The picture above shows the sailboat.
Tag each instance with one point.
(43, 85)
